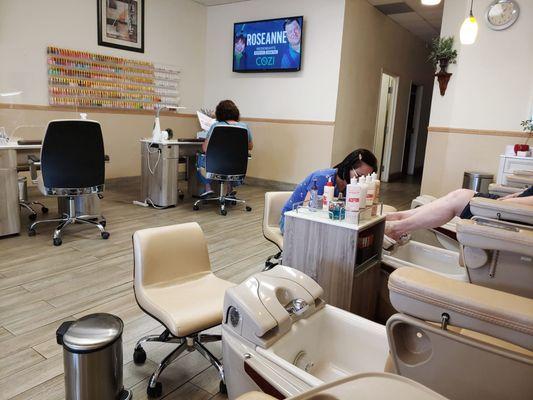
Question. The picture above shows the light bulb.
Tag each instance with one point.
(469, 30)
(430, 2)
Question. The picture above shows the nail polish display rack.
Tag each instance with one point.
(83, 79)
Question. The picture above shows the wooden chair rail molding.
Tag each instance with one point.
(33, 107)
(464, 131)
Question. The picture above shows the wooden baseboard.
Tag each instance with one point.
(486, 132)
(35, 107)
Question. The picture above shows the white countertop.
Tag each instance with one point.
(171, 142)
(322, 216)
(13, 145)
(516, 157)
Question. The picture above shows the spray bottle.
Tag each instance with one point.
(313, 199)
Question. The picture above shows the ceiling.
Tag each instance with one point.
(217, 2)
(422, 21)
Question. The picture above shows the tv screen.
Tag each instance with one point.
(268, 45)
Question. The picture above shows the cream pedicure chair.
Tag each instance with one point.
(504, 229)
(368, 386)
(279, 336)
(461, 340)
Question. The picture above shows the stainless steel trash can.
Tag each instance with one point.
(477, 181)
(159, 173)
(92, 358)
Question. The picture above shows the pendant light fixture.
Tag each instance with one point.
(469, 28)
(430, 2)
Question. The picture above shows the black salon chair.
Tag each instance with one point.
(72, 165)
(226, 162)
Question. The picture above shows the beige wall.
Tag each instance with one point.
(491, 89)
(121, 133)
(309, 94)
(448, 155)
(278, 152)
(373, 43)
(174, 34)
(283, 151)
(288, 152)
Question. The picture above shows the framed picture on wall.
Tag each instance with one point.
(121, 24)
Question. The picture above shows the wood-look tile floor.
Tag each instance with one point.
(41, 286)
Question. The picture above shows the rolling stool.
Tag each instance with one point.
(23, 199)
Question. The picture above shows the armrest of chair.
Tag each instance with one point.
(495, 236)
(502, 190)
(498, 209)
(428, 296)
(33, 162)
(256, 396)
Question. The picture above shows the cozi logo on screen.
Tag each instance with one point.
(265, 61)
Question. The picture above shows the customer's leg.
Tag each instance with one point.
(431, 215)
(201, 176)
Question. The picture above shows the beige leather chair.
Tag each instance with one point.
(464, 341)
(496, 252)
(274, 202)
(173, 283)
(367, 386)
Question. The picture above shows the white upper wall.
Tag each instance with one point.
(492, 82)
(174, 35)
(310, 94)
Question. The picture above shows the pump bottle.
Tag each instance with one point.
(364, 190)
(353, 194)
(370, 191)
(377, 187)
(329, 192)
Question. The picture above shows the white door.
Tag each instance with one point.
(385, 123)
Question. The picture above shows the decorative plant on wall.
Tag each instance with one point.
(443, 54)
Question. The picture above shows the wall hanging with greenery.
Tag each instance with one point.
(442, 55)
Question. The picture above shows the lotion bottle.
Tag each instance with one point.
(353, 194)
(329, 192)
(362, 195)
(377, 187)
(370, 191)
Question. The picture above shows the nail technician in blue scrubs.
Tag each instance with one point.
(358, 163)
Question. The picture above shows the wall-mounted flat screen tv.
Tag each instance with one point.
(271, 45)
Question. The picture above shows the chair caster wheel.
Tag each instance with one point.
(103, 223)
(248, 208)
(156, 391)
(222, 388)
(32, 232)
(105, 235)
(223, 212)
(32, 217)
(57, 241)
(44, 210)
(195, 207)
(139, 356)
